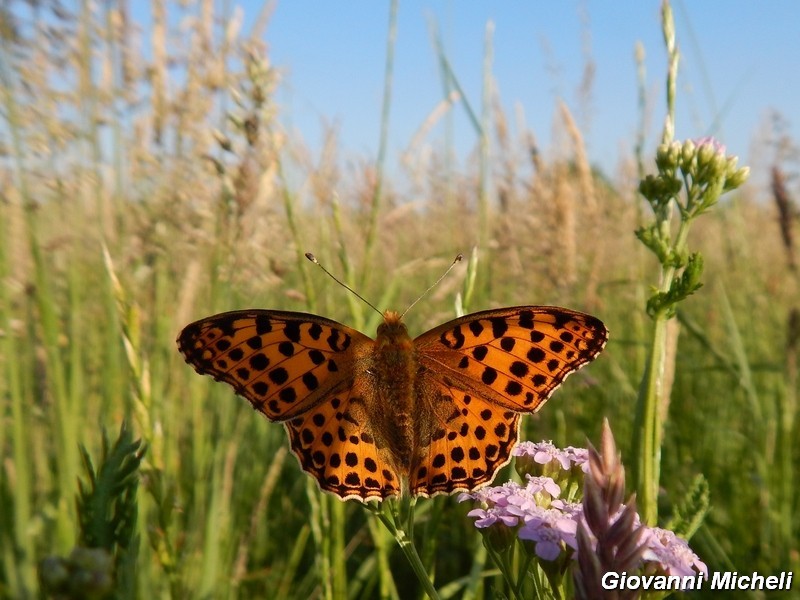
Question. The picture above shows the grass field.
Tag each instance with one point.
(129, 211)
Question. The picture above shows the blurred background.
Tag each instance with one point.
(163, 161)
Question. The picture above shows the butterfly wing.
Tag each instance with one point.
(514, 357)
(479, 372)
(300, 369)
(336, 444)
(284, 363)
(466, 442)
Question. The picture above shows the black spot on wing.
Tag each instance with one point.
(476, 328)
(316, 356)
(480, 352)
(562, 319)
(458, 338)
(259, 361)
(338, 341)
(526, 319)
(315, 331)
(499, 326)
(263, 324)
(536, 355)
(292, 331)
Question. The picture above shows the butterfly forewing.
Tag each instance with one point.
(514, 357)
(282, 362)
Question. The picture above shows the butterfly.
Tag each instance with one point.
(371, 419)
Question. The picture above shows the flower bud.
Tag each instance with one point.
(688, 151)
(737, 179)
(647, 187)
(718, 166)
(673, 185)
(663, 159)
(498, 537)
(525, 465)
(705, 154)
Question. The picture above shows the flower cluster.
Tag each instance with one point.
(700, 163)
(547, 454)
(533, 510)
(667, 551)
(566, 467)
(537, 515)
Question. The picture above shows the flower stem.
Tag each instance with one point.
(652, 400)
(404, 540)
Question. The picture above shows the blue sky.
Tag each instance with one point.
(739, 61)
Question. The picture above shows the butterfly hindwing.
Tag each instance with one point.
(469, 440)
(514, 357)
(282, 362)
(335, 443)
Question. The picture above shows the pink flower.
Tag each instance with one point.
(717, 146)
(551, 530)
(672, 553)
(542, 453)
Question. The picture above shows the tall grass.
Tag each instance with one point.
(141, 195)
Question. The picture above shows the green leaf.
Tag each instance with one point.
(691, 511)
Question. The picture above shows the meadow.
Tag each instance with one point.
(135, 201)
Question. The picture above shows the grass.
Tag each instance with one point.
(133, 206)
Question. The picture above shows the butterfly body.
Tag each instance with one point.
(392, 373)
(371, 419)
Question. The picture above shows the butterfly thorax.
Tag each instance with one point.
(394, 367)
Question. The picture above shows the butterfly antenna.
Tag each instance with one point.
(314, 260)
(457, 259)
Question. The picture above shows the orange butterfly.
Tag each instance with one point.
(370, 419)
